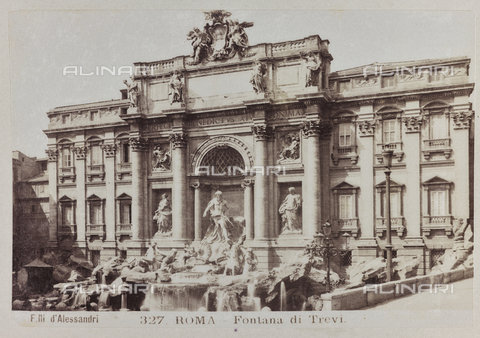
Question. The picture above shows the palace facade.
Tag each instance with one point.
(252, 122)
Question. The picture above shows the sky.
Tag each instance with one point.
(43, 43)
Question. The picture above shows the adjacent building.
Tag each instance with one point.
(252, 122)
(30, 208)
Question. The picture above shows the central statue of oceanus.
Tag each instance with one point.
(222, 231)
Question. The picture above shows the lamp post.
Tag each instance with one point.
(323, 247)
(387, 161)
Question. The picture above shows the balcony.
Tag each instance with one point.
(123, 230)
(437, 146)
(66, 173)
(97, 170)
(67, 231)
(95, 230)
(123, 169)
(437, 223)
(397, 148)
(345, 225)
(396, 225)
(345, 152)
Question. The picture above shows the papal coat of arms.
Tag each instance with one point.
(221, 38)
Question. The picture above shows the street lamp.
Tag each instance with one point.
(387, 161)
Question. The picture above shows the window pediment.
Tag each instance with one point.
(437, 181)
(344, 186)
(124, 196)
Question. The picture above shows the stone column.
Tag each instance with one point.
(138, 145)
(367, 244)
(197, 217)
(311, 182)
(109, 149)
(81, 151)
(179, 190)
(261, 209)
(248, 206)
(52, 153)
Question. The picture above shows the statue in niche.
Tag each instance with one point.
(313, 66)
(289, 210)
(215, 244)
(290, 149)
(133, 90)
(163, 216)
(162, 159)
(258, 77)
(175, 88)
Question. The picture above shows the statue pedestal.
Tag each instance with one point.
(177, 105)
(132, 110)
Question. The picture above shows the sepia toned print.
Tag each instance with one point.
(249, 177)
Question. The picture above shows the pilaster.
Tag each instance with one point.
(52, 153)
(81, 152)
(109, 149)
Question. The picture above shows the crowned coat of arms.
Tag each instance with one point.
(221, 38)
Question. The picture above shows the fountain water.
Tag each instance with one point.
(283, 297)
(104, 279)
(175, 297)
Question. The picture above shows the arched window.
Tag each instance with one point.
(223, 159)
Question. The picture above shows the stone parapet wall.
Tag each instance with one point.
(359, 298)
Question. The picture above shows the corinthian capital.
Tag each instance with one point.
(178, 140)
(52, 154)
(138, 143)
(461, 120)
(263, 132)
(413, 123)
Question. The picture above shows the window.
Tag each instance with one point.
(67, 211)
(394, 204)
(344, 140)
(95, 210)
(394, 254)
(438, 126)
(396, 208)
(389, 127)
(436, 132)
(436, 212)
(388, 81)
(125, 152)
(345, 211)
(346, 258)
(125, 213)
(346, 206)
(96, 154)
(124, 206)
(223, 160)
(345, 134)
(435, 255)
(66, 157)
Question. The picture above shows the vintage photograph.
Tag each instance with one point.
(225, 160)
